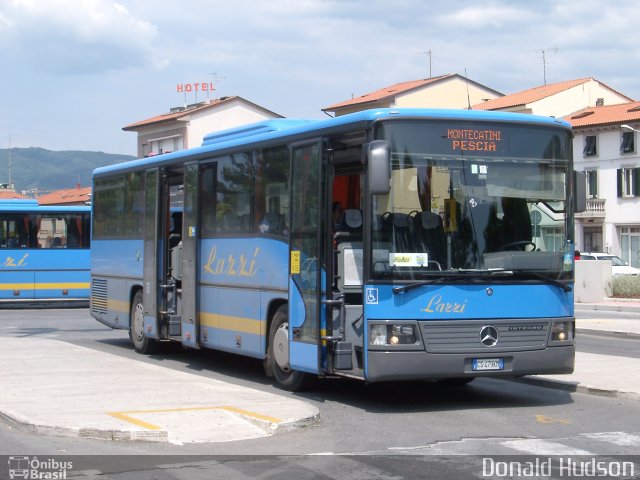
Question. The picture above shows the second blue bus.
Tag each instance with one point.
(44, 254)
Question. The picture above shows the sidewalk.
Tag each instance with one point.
(58, 388)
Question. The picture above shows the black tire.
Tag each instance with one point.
(141, 343)
(277, 361)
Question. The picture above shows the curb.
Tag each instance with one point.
(616, 306)
(574, 387)
(23, 424)
(608, 333)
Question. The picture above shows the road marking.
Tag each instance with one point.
(536, 446)
(546, 419)
(126, 416)
(617, 438)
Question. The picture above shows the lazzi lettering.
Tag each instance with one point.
(11, 262)
(232, 265)
(437, 305)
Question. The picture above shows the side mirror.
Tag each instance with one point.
(579, 192)
(377, 157)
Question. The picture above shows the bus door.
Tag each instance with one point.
(306, 256)
(163, 254)
(344, 333)
(151, 279)
(188, 261)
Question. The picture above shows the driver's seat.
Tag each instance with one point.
(516, 222)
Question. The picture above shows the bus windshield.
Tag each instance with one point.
(472, 201)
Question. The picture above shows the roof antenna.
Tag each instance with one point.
(544, 51)
(467, 83)
(216, 77)
(428, 53)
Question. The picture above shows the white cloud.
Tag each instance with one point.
(76, 36)
(291, 56)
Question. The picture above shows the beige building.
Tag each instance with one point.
(446, 91)
(556, 99)
(185, 127)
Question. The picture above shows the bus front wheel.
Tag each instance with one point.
(278, 354)
(141, 343)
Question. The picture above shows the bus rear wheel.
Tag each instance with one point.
(141, 343)
(278, 354)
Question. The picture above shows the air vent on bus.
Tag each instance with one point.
(99, 296)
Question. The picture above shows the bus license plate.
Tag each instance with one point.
(487, 364)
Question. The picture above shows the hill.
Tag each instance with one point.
(47, 170)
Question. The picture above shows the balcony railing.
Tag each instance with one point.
(595, 208)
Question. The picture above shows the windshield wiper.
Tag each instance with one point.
(446, 275)
(492, 273)
(549, 280)
(411, 286)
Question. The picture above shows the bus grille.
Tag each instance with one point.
(99, 296)
(462, 336)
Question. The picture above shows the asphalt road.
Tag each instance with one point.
(404, 430)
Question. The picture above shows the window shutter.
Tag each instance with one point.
(593, 183)
(636, 182)
(619, 183)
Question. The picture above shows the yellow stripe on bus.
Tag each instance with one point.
(43, 286)
(236, 324)
(118, 306)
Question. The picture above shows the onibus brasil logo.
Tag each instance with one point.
(34, 468)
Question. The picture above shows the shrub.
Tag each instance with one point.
(626, 286)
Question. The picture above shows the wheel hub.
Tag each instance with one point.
(281, 346)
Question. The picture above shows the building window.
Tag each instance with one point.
(590, 149)
(592, 183)
(628, 182)
(628, 142)
(592, 239)
(553, 238)
(630, 245)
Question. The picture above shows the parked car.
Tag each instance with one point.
(619, 266)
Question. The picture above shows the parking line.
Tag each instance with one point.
(125, 416)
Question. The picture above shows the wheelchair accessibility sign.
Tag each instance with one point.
(371, 296)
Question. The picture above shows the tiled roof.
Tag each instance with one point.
(7, 194)
(531, 95)
(180, 113)
(388, 92)
(78, 195)
(606, 115)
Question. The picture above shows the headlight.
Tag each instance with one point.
(392, 334)
(562, 331)
(378, 335)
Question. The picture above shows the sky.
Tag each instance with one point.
(74, 72)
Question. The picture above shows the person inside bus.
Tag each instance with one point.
(516, 222)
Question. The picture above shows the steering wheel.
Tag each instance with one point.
(514, 245)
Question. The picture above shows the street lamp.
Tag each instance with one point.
(629, 127)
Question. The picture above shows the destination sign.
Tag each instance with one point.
(471, 139)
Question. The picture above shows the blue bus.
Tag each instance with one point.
(381, 245)
(44, 254)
